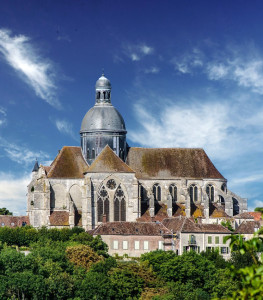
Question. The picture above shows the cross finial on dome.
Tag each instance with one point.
(102, 72)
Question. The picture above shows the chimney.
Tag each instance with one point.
(104, 219)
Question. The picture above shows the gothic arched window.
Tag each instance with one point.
(93, 153)
(119, 205)
(103, 204)
(235, 206)
(210, 192)
(223, 187)
(193, 191)
(157, 192)
(173, 192)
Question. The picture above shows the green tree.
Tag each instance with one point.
(4, 211)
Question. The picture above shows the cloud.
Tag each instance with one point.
(36, 71)
(199, 123)
(64, 38)
(20, 154)
(13, 190)
(248, 179)
(152, 70)
(137, 51)
(2, 116)
(66, 128)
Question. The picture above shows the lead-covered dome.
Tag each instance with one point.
(103, 82)
(103, 118)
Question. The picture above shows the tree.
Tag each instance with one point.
(4, 211)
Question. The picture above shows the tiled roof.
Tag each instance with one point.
(164, 163)
(244, 215)
(186, 225)
(160, 214)
(47, 169)
(14, 221)
(130, 228)
(256, 215)
(248, 227)
(69, 163)
(59, 218)
(108, 162)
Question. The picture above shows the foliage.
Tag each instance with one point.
(4, 211)
(260, 209)
(227, 224)
(83, 256)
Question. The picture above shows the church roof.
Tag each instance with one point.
(108, 162)
(165, 163)
(69, 163)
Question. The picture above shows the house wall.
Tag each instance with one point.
(153, 244)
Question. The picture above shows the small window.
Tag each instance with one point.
(115, 245)
(93, 153)
(146, 245)
(224, 250)
(184, 248)
(2, 224)
(209, 241)
(136, 245)
(209, 248)
(12, 224)
(125, 245)
(88, 153)
(217, 240)
(160, 246)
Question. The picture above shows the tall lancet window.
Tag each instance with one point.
(157, 192)
(210, 192)
(193, 191)
(103, 204)
(173, 192)
(119, 205)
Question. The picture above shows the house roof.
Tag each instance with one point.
(164, 163)
(69, 163)
(248, 227)
(186, 225)
(244, 215)
(14, 221)
(256, 215)
(107, 162)
(130, 228)
(59, 218)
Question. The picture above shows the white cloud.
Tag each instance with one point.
(66, 128)
(20, 154)
(2, 116)
(36, 71)
(209, 125)
(13, 190)
(186, 63)
(137, 51)
(249, 178)
(152, 70)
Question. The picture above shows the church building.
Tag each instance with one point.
(105, 180)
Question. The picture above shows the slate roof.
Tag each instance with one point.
(59, 218)
(69, 163)
(165, 163)
(13, 221)
(248, 227)
(186, 225)
(130, 228)
(107, 162)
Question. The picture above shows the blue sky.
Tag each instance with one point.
(183, 74)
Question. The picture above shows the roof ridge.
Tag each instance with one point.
(55, 161)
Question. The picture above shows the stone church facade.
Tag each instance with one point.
(105, 180)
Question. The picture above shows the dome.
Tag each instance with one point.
(103, 118)
(103, 82)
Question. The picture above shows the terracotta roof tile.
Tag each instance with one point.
(14, 221)
(130, 228)
(69, 163)
(164, 163)
(160, 214)
(59, 218)
(248, 227)
(186, 225)
(244, 215)
(256, 215)
(108, 162)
